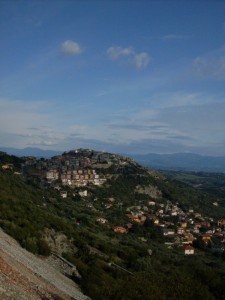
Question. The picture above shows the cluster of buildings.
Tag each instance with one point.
(80, 177)
(75, 168)
(176, 226)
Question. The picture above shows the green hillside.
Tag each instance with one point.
(141, 263)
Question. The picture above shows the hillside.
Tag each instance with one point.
(125, 227)
(24, 276)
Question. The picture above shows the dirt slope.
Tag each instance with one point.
(23, 276)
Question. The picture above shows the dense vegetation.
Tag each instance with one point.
(133, 266)
(212, 183)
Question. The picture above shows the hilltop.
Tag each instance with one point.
(125, 227)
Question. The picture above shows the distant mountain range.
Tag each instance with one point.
(29, 151)
(181, 161)
(176, 161)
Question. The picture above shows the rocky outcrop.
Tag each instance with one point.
(150, 190)
(58, 242)
(24, 276)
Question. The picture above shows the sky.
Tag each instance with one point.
(137, 76)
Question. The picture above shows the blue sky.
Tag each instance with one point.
(135, 76)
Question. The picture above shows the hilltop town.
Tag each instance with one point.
(76, 168)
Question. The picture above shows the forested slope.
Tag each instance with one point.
(135, 265)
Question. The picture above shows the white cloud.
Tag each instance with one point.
(141, 60)
(129, 55)
(116, 51)
(189, 120)
(19, 118)
(167, 123)
(71, 48)
(210, 67)
(206, 125)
